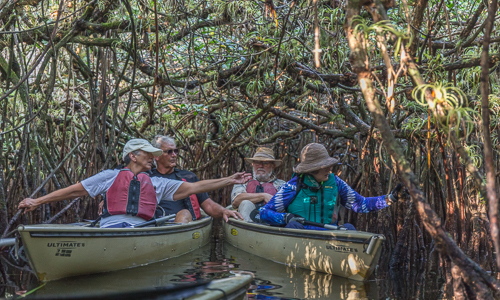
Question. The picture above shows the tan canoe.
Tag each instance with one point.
(58, 251)
(349, 254)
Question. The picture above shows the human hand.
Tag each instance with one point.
(226, 214)
(293, 217)
(101, 208)
(28, 204)
(393, 196)
(267, 197)
(240, 177)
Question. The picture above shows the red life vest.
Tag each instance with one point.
(267, 187)
(132, 195)
(193, 200)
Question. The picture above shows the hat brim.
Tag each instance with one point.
(155, 151)
(275, 161)
(150, 149)
(301, 168)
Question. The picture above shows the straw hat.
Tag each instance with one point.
(264, 154)
(314, 157)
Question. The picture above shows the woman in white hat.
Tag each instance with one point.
(316, 195)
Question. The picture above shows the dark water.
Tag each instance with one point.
(272, 281)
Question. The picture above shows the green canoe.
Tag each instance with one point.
(344, 253)
(58, 251)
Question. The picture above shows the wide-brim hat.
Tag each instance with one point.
(264, 154)
(140, 144)
(313, 157)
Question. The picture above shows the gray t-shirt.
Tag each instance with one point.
(101, 182)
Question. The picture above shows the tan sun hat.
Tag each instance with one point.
(140, 144)
(264, 154)
(314, 157)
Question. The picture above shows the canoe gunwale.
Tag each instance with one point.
(232, 295)
(81, 231)
(215, 291)
(300, 234)
(104, 234)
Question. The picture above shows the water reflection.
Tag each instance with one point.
(296, 283)
(272, 280)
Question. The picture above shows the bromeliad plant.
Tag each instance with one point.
(448, 104)
(381, 27)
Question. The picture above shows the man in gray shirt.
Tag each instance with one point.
(138, 156)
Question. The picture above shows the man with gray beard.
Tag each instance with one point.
(258, 191)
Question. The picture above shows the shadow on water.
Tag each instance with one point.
(272, 281)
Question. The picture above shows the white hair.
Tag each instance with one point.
(159, 139)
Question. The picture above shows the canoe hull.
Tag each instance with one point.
(58, 251)
(232, 288)
(340, 253)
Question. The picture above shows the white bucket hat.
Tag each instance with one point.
(140, 144)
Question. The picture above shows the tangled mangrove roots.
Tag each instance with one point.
(398, 91)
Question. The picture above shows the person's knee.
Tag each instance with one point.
(246, 204)
(245, 208)
(295, 225)
(183, 216)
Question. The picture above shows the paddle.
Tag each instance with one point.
(156, 222)
(326, 226)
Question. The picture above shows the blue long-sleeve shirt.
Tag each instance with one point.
(275, 210)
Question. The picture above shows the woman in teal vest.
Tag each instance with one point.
(315, 194)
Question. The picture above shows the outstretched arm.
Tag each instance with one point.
(215, 210)
(70, 192)
(274, 211)
(189, 188)
(352, 200)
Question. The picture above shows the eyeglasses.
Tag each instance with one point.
(263, 163)
(169, 152)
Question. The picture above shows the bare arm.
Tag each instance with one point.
(70, 192)
(253, 197)
(217, 211)
(189, 188)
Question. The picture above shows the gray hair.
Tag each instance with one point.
(159, 139)
(127, 159)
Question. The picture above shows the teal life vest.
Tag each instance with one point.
(314, 201)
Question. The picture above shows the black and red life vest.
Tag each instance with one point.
(191, 203)
(131, 195)
(254, 186)
(195, 206)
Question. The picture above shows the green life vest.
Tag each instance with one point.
(316, 202)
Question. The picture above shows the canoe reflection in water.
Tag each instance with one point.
(272, 281)
(297, 283)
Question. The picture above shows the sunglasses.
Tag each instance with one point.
(169, 152)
